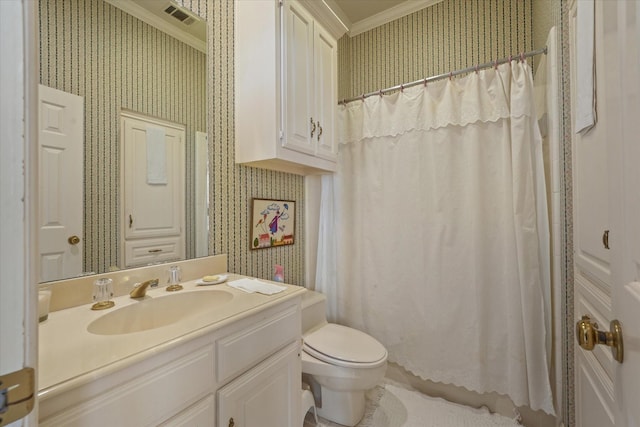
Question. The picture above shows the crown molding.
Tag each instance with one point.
(148, 17)
(403, 9)
(333, 22)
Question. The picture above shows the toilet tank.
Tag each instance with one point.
(313, 310)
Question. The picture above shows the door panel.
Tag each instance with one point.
(61, 215)
(594, 389)
(326, 82)
(298, 82)
(268, 395)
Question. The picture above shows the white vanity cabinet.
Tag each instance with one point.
(286, 91)
(252, 364)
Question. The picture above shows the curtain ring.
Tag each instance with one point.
(450, 74)
(477, 68)
(495, 64)
(522, 57)
(425, 82)
(402, 88)
(510, 59)
(380, 93)
(363, 97)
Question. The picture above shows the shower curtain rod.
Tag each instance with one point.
(446, 75)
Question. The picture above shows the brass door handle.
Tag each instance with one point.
(313, 130)
(319, 131)
(73, 240)
(588, 336)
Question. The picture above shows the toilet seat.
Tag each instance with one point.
(343, 346)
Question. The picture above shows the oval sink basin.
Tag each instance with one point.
(151, 313)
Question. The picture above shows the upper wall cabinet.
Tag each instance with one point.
(286, 91)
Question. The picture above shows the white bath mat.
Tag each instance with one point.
(391, 406)
(404, 408)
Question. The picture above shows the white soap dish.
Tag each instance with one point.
(219, 278)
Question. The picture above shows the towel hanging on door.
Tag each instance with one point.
(156, 155)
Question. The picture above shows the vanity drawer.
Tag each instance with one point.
(259, 337)
(148, 251)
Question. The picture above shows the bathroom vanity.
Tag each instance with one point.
(237, 363)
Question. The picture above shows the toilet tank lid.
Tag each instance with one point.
(342, 343)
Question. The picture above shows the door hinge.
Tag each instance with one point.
(17, 395)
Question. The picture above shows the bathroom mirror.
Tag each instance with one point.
(145, 56)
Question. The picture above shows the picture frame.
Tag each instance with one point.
(272, 223)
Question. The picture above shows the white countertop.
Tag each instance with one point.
(69, 355)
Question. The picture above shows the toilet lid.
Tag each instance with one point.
(344, 346)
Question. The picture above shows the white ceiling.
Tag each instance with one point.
(357, 10)
(357, 15)
(362, 15)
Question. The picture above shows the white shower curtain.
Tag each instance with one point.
(431, 237)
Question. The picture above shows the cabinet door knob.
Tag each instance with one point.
(231, 422)
(313, 126)
(319, 131)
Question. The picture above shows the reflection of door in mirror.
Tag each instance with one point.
(153, 176)
(139, 59)
(202, 195)
(60, 157)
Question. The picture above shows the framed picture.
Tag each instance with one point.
(272, 223)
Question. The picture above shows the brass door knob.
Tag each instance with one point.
(73, 240)
(588, 336)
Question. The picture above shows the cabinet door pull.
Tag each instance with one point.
(313, 127)
(231, 422)
(154, 251)
(319, 131)
(605, 239)
(130, 220)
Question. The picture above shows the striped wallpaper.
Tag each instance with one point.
(235, 185)
(86, 50)
(447, 36)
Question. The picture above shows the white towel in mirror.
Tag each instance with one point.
(156, 155)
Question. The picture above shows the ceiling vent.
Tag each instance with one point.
(179, 14)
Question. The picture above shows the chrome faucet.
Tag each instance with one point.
(140, 289)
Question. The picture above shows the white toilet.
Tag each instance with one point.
(340, 363)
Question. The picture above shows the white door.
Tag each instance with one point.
(607, 222)
(60, 140)
(153, 190)
(326, 92)
(268, 395)
(300, 123)
(18, 244)
(624, 185)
